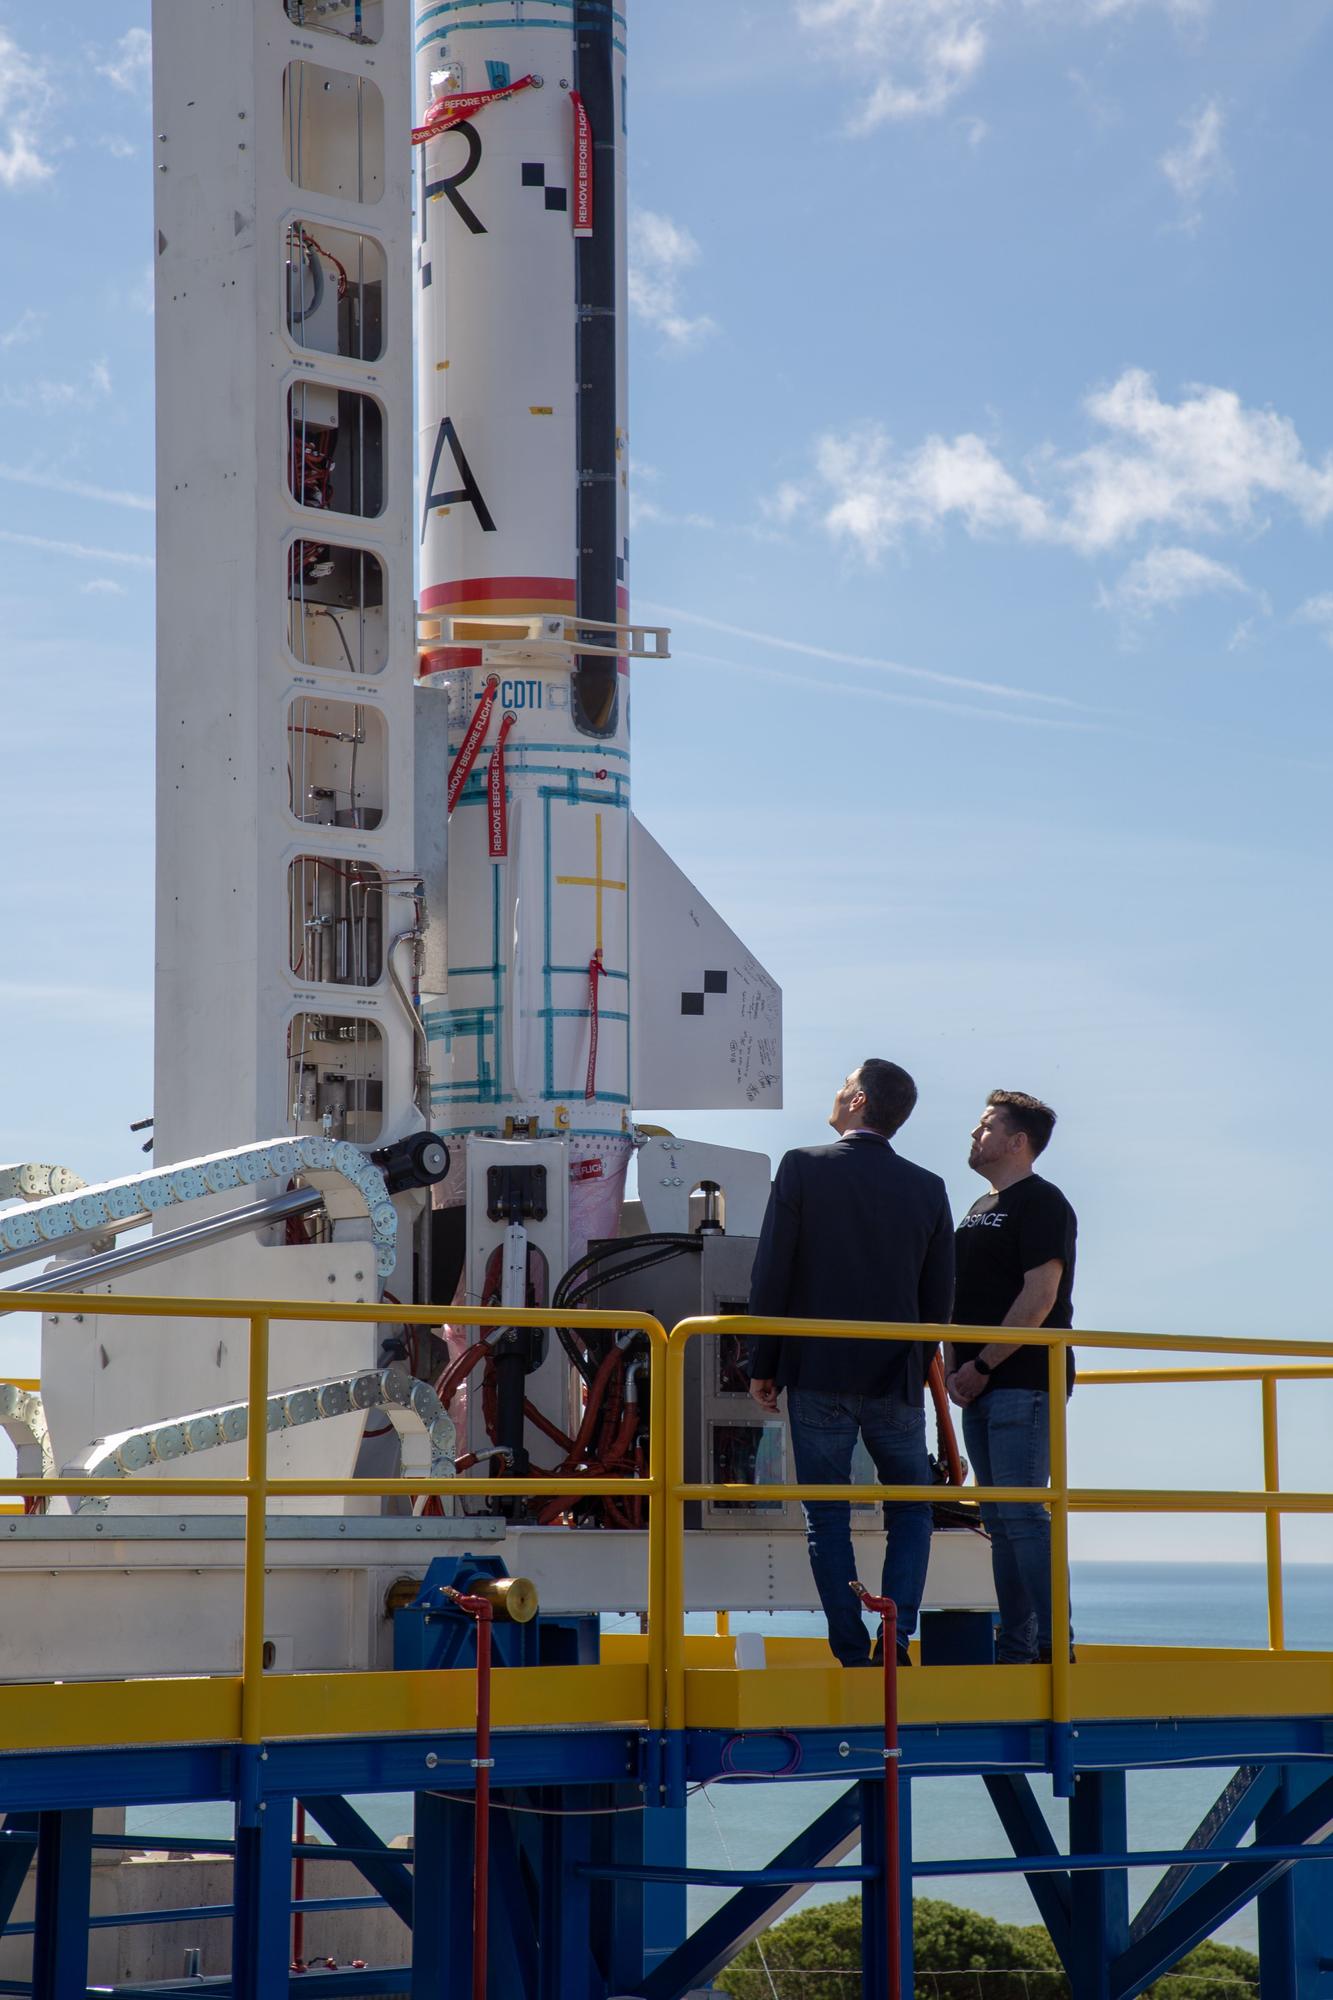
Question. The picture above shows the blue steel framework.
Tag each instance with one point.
(588, 1877)
(588, 1863)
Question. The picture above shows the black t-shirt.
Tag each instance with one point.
(999, 1241)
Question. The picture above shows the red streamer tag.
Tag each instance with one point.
(594, 975)
(496, 801)
(459, 105)
(583, 165)
(586, 1170)
(461, 767)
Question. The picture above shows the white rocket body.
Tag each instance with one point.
(523, 501)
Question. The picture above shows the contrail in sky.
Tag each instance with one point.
(994, 688)
(76, 550)
(79, 489)
(820, 686)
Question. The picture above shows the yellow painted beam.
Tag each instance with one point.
(84, 1715)
(410, 1703)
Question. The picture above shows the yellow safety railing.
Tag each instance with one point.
(665, 1487)
(257, 1487)
(1268, 1379)
(1058, 1497)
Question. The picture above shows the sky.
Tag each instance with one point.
(983, 471)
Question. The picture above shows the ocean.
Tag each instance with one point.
(1143, 1604)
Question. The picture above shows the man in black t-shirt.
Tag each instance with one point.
(1015, 1263)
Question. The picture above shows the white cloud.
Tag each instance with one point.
(660, 253)
(1318, 611)
(1183, 11)
(926, 51)
(119, 149)
(786, 505)
(1198, 162)
(644, 513)
(914, 57)
(131, 68)
(1201, 465)
(51, 394)
(79, 489)
(25, 97)
(879, 494)
(1166, 577)
(103, 586)
(25, 328)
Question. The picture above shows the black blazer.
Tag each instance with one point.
(852, 1232)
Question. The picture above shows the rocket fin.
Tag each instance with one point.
(707, 1017)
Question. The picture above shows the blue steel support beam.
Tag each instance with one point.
(874, 1927)
(1099, 1927)
(1025, 1827)
(441, 1919)
(751, 1911)
(1295, 1913)
(1244, 1796)
(64, 1895)
(346, 1828)
(565, 1968)
(261, 1929)
(18, 1845)
(660, 1838)
(1309, 1821)
(512, 1930)
(619, 1909)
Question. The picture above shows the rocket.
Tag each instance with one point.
(523, 487)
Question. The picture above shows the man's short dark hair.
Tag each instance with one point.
(890, 1094)
(1028, 1115)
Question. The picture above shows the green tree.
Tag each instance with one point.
(816, 1955)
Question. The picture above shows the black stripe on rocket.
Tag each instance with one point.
(595, 689)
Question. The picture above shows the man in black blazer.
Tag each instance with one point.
(854, 1232)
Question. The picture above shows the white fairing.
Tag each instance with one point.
(708, 1018)
(500, 459)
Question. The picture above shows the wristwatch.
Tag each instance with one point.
(982, 1367)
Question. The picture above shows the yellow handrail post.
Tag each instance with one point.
(659, 1507)
(1277, 1632)
(256, 1524)
(675, 1533)
(1061, 1708)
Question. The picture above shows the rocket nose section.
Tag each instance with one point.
(706, 1020)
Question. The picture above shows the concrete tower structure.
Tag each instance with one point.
(285, 587)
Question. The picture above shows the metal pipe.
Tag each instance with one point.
(893, 1910)
(161, 1249)
(256, 1509)
(414, 1015)
(483, 1763)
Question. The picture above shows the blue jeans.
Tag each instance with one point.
(1007, 1437)
(824, 1430)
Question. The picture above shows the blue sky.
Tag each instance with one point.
(980, 427)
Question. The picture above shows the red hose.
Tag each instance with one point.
(298, 1895)
(948, 1437)
(480, 1609)
(544, 1424)
(888, 1612)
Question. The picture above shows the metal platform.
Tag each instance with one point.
(593, 1763)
